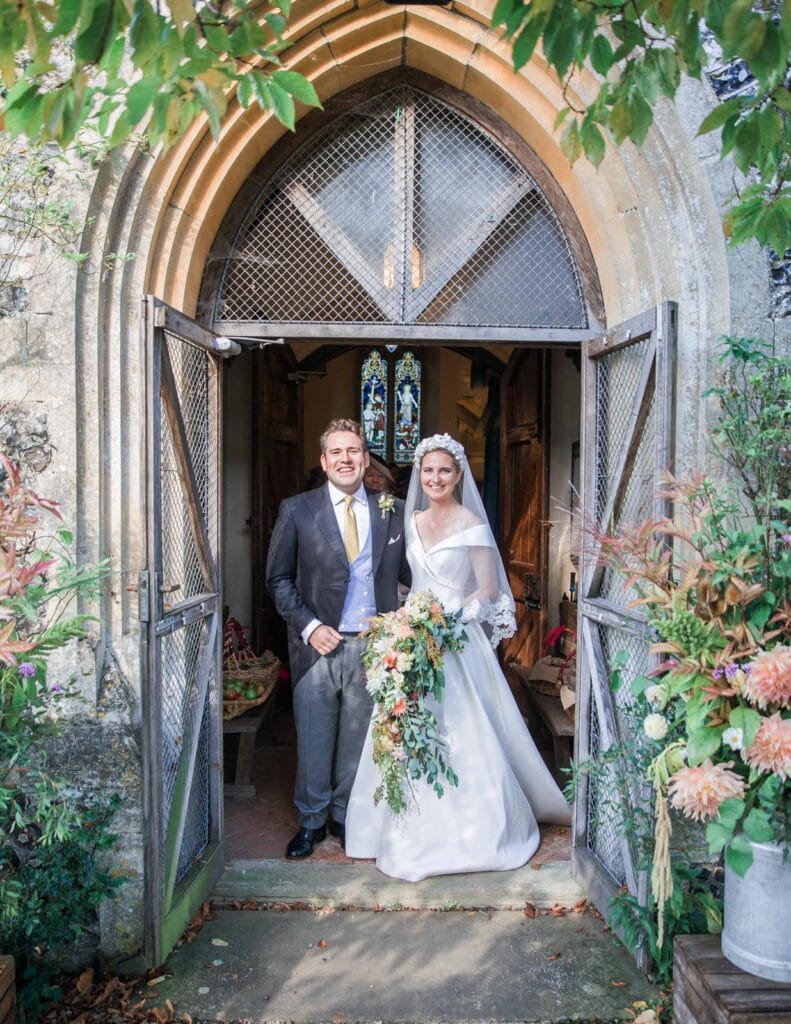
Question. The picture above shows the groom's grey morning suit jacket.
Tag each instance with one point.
(307, 570)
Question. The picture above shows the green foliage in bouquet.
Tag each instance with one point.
(403, 661)
(50, 882)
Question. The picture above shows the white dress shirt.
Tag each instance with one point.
(361, 514)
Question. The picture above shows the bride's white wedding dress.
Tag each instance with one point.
(488, 822)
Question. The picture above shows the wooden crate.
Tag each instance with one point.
(7, 990)
(708, 989)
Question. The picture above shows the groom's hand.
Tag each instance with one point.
(324, 639)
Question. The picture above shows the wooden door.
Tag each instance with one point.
(277, 474)
(180, 609)
(523, 446)
(627, 440)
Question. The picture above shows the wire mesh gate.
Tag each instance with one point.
(628, 411)
(402, 212)
(180, 612)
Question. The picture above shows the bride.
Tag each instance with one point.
(488, 822)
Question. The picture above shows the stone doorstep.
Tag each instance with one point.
(412, 967)
(362, 886)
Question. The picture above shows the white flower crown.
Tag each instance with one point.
(445, 441)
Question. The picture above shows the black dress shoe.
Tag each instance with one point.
(303, 842)
(338, 828)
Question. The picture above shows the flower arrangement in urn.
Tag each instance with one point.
(714, 579)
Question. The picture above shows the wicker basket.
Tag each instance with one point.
(260, 672)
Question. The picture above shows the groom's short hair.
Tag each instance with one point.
(348, 426)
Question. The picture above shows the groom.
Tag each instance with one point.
(335, 559)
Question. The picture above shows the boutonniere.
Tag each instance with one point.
(386, 504)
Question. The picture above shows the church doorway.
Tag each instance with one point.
(515, 409)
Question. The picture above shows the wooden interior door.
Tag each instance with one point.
(277, 474)
(524, 407)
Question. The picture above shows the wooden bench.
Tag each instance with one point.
(247, 727)
(551, 713)
(708, 989)
(7, 990)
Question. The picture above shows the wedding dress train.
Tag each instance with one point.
(488, 822)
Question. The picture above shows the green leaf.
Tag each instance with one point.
(739, 855)
(782, 97)
(703, 743)
(140, 97)
(593, 142)
(730, 812)
(642, 118)
(718, 836)
(601, 54)
(92, 39)
(68, 15)
(297, 86)
(758, 827)
(717, 117)
(746, 719)
(282, 105)
(560, 40)
(244, 91)
(525, 42)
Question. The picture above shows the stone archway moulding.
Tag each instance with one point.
(649, 218)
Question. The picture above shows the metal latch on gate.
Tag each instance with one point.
(141, 588)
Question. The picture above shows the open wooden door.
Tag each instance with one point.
(627, 440)
(524, 405)
(180, 609)
(277, 474)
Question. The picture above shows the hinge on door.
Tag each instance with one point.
(142, 596)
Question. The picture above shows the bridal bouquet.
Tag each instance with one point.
(403, 661)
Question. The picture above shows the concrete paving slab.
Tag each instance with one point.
(405, 966)
(363, 886)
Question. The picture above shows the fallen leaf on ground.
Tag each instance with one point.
(646, 1017)
(219, 942)
(141, 1004)
(557, 911)
(579, 906)
(530, 910)
(85, 981)
(554, 956)
(156, 981)
(617, 984)
(186, 1019)
(169, 1005)
(536, 867)
(338, 1018)
(322, 944)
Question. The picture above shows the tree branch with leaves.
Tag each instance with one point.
(641, 50)
(126, 66)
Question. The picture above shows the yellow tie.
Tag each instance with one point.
(351, 540)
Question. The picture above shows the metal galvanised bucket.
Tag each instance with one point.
(756, 935)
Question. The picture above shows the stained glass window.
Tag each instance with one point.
(373, 403)
(390, 405)
(408, 394)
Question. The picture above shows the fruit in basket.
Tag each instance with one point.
(250, 693)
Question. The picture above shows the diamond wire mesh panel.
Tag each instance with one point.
(636, 506)
(329, 239)
(181, 563)
(617, 376)
(196, 825)
(602, 820)
(179, 661)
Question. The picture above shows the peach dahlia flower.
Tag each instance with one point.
(770, 751)
(769, 679)
(698, 792)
